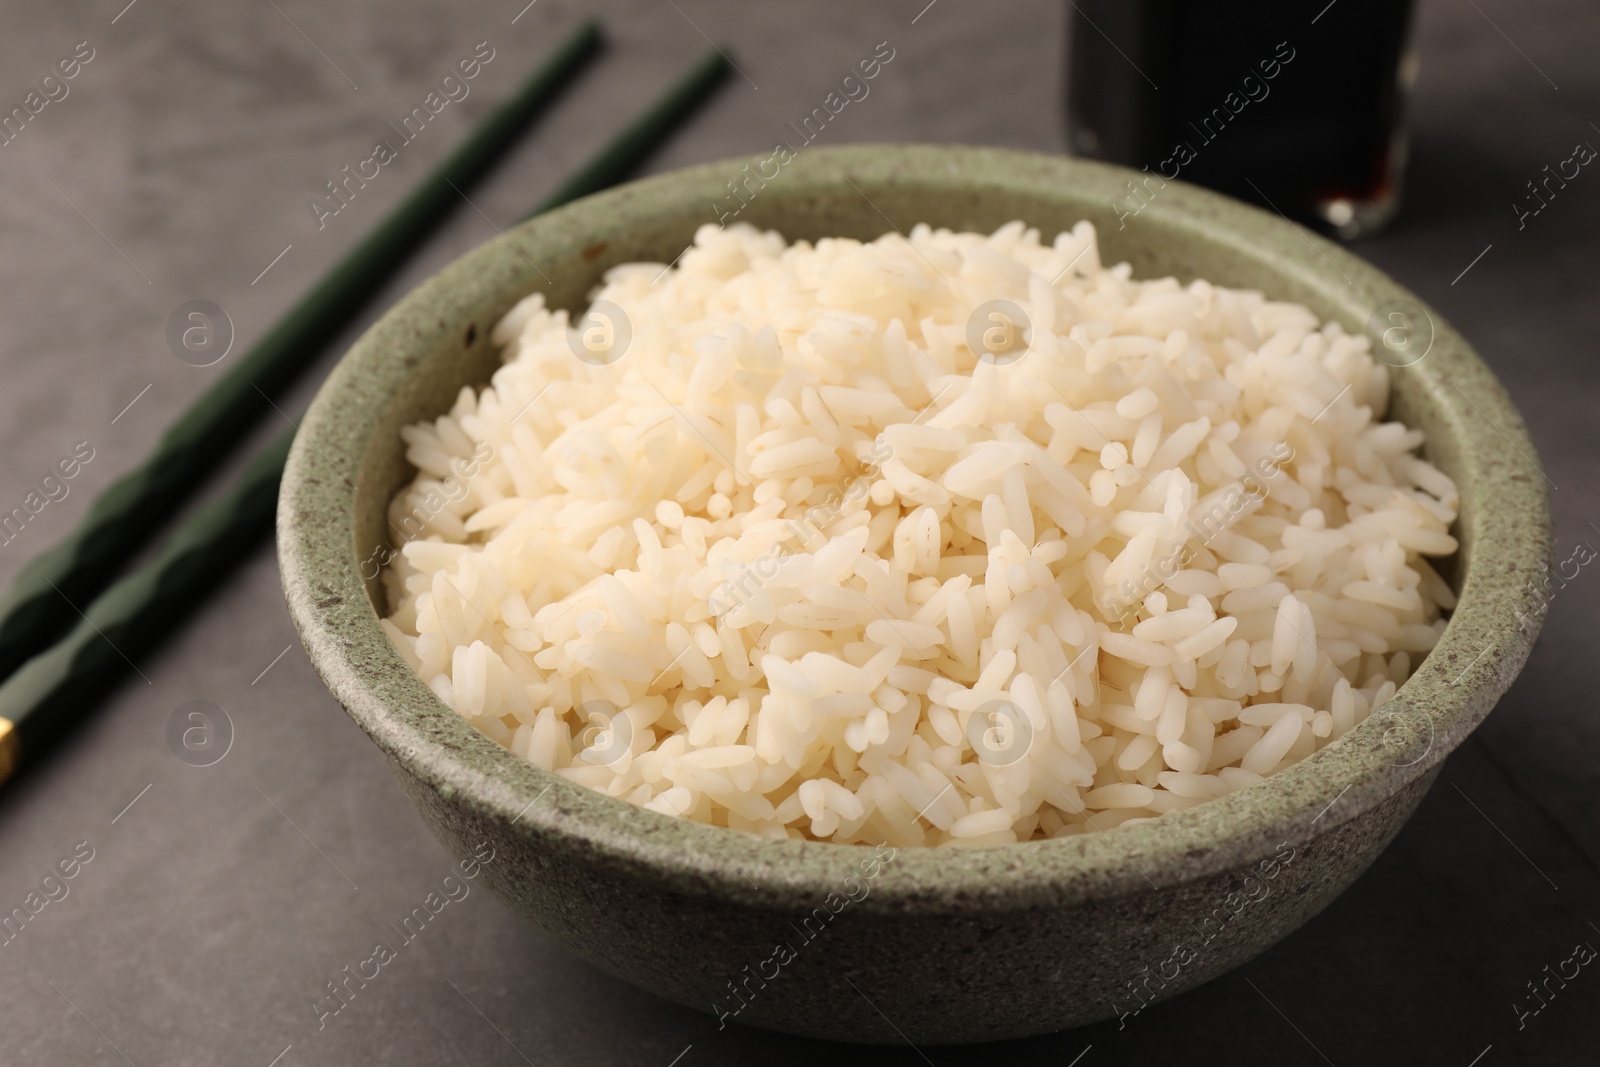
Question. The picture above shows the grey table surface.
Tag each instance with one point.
(220, 900)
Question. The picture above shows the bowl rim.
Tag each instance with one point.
(1484, 645)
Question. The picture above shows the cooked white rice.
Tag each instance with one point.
(847, 581)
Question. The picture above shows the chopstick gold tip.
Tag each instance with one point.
(10, 749)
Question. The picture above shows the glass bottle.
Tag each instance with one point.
(1297, 107)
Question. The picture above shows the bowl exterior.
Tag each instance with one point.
(829, 968)
(930, 945)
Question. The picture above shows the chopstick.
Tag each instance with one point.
(630, 147)
(39, 604)
(126, 617)
(41, 698)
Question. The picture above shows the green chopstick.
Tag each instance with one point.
(38, 605)
(630, 147)
(41, 697)
(133, 611)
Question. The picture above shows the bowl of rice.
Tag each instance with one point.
(897, 593)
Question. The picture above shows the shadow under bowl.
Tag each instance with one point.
(927, 945)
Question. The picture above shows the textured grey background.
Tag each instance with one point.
(208, 921)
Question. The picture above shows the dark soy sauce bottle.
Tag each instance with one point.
(1297, 106)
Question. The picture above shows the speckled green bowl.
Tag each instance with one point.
(941, 945)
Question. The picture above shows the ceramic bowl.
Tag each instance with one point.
(928, 945)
